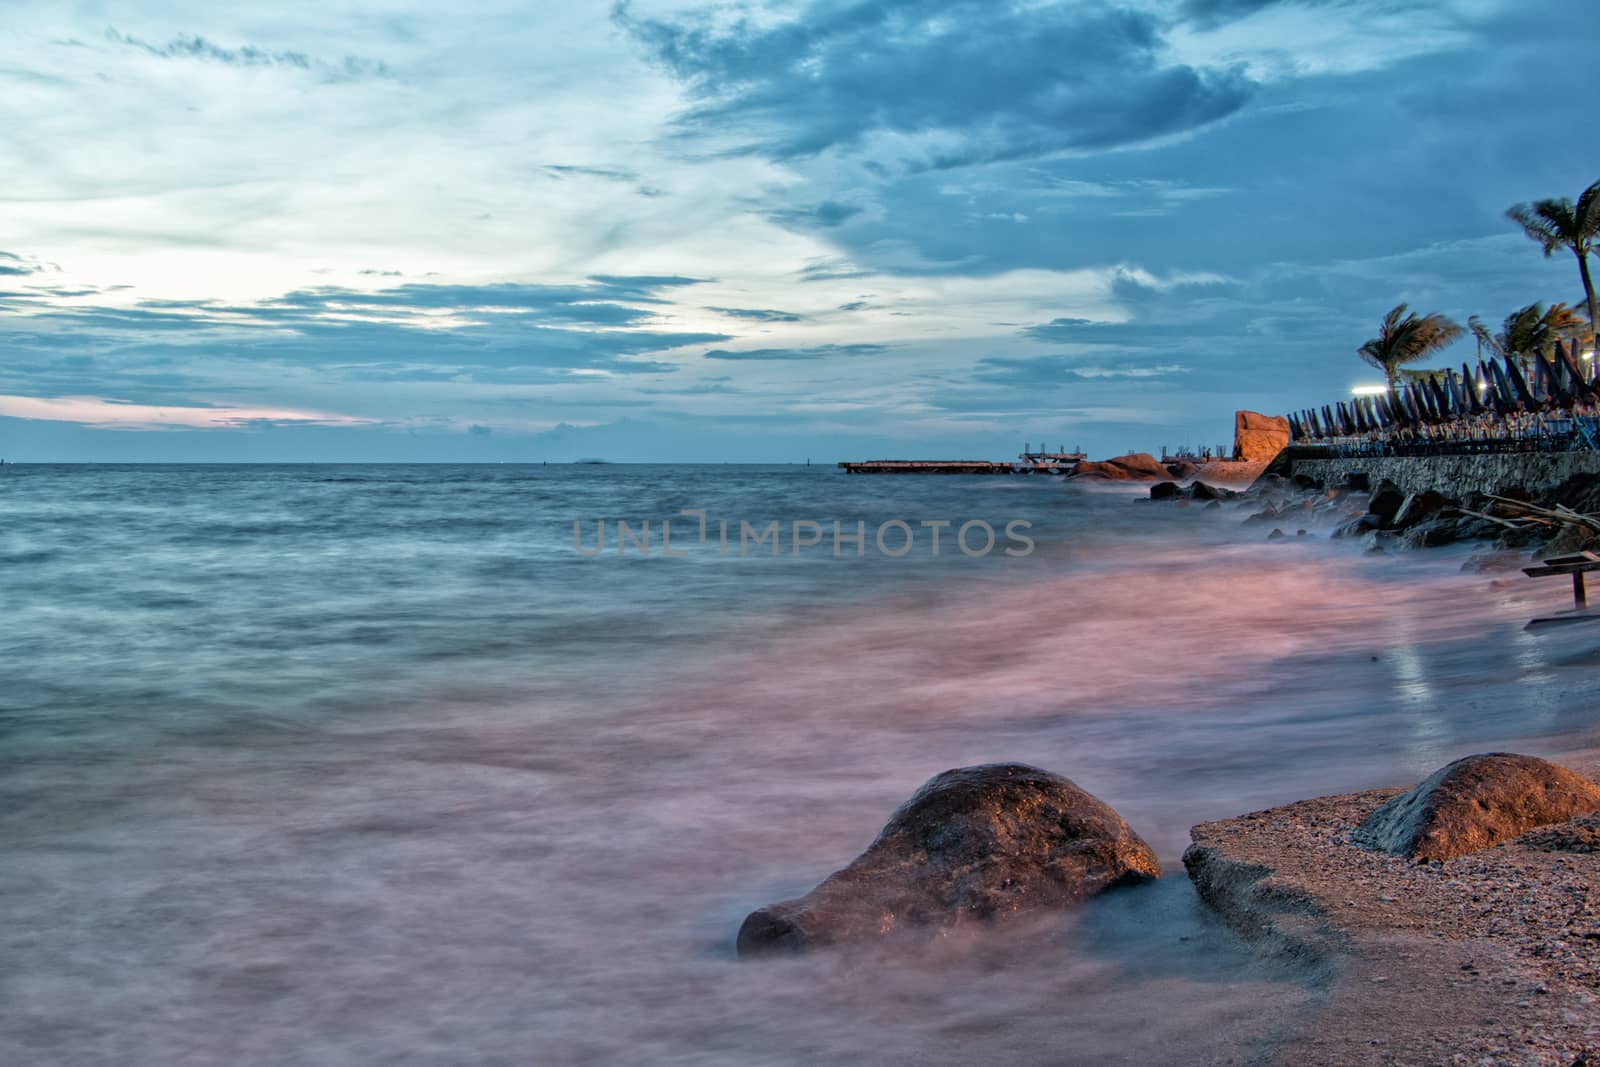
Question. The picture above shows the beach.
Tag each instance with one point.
(437, 788)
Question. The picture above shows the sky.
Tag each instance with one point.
(751, 232)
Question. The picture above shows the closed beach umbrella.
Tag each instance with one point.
(1520, 385)
(1483, 389)
(1459, 404)
(1397, 407)
(1385, 412)
(1441, 399)
(1419, 401)
(1553, 393)
(1505, 396)
(1581, 390)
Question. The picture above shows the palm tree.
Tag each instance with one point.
(1528, 332)
(1404, 338)
(1559, 224)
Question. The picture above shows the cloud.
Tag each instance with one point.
(948, 82)
(113, 414)
(758, 314)
(1214, 12)
(815, 352)
(1057, 370)
(826, 215)
(198, 48)
(499, 333)
(559, 171)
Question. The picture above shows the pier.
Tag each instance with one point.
(1029, 462)
(928, 466)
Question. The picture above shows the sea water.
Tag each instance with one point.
(381, 764)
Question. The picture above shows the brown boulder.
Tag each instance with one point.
(1477, 802)
(975, 843)
(1134, 467)
(1258, 437)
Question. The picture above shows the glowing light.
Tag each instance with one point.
(1369, 390)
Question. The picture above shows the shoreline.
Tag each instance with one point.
(1489, 957)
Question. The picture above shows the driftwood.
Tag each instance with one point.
(1529, 514)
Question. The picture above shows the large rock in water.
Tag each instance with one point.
(1134, 467)
(1477, 802)
(973, 843)
(1258, 437)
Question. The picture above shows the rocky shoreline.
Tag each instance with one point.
(1457, 922)
(1492, 957)
(1383, 518)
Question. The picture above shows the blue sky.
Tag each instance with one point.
(752, 232)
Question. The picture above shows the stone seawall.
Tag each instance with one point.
(1454, 476)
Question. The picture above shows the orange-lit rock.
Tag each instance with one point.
(973, 844)
(1478, 802)
(1258, 437)
(1134, 467)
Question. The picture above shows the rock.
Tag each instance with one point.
(1276, 535)
(1386, 502)
(974, 843)
(1134, 467)
(1202, 491)
(1165, 491)
(1471, 529)
(1182, 469)
(1357, 527)
(1475, 803)
(1417, 507)
(1258, 437)
(1430, 534)
(1492, 563)
(1570, 540)
(1526, 537)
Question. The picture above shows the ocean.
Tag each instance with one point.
(371, 764)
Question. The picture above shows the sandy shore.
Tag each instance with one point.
(1489, 958)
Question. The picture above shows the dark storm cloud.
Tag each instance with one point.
(817, 352)
(996, 79)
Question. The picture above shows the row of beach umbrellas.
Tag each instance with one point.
(1497, 387)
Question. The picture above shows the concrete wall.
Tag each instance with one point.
(1456, 476)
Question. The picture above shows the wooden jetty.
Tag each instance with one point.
(928, 466)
